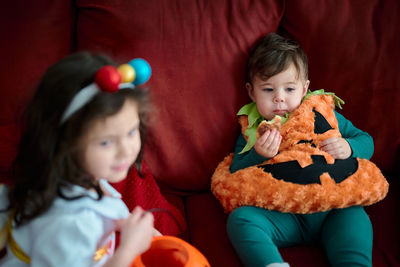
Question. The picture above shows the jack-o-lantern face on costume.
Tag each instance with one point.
(292, 171)
(301, 178)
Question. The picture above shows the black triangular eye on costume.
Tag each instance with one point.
(321, 125)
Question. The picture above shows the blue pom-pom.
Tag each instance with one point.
(142, 69)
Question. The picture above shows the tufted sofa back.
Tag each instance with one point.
(198, 50)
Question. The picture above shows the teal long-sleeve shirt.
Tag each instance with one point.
(361, 144)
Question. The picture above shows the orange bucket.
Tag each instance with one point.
(170, 251)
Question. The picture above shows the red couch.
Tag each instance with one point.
(198, 50)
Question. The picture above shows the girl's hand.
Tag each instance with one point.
(156, 232)
(268, 144)
(337, 147)
(137, 231)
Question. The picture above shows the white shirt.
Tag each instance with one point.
(70, 232)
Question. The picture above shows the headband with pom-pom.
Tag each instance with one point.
(110, 79)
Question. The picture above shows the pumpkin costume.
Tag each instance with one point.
(301, 178)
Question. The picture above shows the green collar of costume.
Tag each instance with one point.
(254, 117)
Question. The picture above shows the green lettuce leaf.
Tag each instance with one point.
(254, 117)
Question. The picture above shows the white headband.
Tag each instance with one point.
(84, 96)
(110, 79)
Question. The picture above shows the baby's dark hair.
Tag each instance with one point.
(47, 159)
(272, 55)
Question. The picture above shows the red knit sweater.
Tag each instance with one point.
(144, 191)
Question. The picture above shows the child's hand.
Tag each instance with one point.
(156, 232)
(337, 147)
(268, 144)
(137, 231)
(136, 234)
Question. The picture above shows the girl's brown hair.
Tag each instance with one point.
(47, 158)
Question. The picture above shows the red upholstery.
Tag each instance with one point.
(33, 36)
(351, 48)
(197, 53)
(198, 50)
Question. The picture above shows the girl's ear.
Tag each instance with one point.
(250, 91)
(305, 89)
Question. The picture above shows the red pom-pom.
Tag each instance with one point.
(108, 78)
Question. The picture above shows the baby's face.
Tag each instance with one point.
(280, 94)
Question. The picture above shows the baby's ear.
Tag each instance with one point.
(305, 89)
(250, 90)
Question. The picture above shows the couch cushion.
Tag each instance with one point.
(197, 50)
(207, 232)
(353, 50)
(385, 222)
(35, 34)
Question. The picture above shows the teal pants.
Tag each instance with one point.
(256, 234)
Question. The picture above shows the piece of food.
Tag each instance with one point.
(264, 126)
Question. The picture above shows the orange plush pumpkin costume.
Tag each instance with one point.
(336, 183)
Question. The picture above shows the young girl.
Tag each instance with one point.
(78, 136)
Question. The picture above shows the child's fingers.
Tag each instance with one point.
(139, 218)
(133, 217)
(264, 137)
(271, 142)
(272, 139)
(147, 217)
(329, 142)
(276, 141)
(120, 223)
(326, 148)
(156, 232)
(338, 148)
(137, 213)
(267, 137)
(138, 231)
(268, 144)
(268, 140)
